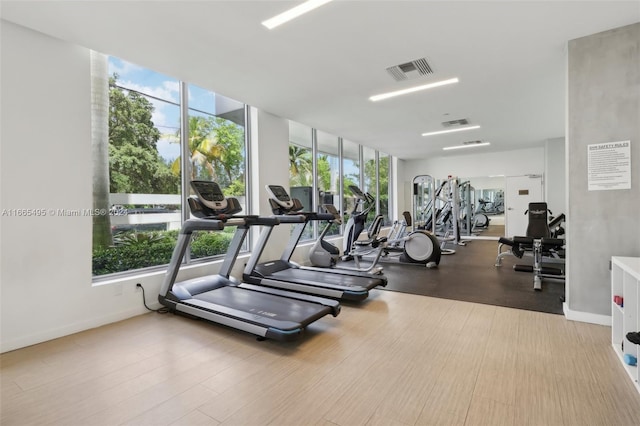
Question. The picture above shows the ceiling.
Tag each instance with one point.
(320, 69)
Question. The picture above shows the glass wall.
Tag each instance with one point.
(328, 163)
(351, 175)
(337, 165)
(301, 164)
(370, 171)
(301, 171)
(384, 198)
(150, 154)
(216, 152)
(145, 165)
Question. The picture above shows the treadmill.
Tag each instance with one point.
(265, 312)
(284, 274)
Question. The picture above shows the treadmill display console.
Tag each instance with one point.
(210, 194)
(280, 195)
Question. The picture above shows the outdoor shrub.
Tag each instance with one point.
(210, 244)
(128, 257)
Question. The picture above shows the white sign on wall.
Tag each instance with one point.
(609, 166)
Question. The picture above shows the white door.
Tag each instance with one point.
(519, 192)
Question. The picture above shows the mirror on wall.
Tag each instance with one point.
(488, 196)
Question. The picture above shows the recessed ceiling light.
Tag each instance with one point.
(293, 13)
(446, 148)
(457, 129)
(412, 89)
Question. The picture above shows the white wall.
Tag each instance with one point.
(46, 163)
(269, 150)
(507, 163)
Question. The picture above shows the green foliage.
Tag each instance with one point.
(349, 180)
(138, 238)
(236, 189)
(210, 244)
(130, 118)
(217, 150)
(300, 165)
(324, 173)
(230, 163)
(135, 250)
(127, 257)
(134, 169)
(134, 163)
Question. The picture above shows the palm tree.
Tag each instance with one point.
(203, 146)
(100, 148)
(300, 165)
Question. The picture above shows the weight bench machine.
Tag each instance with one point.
(539, 243)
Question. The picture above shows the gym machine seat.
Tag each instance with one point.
(539, 243)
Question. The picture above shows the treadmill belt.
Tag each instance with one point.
(266, 305)
(324, 279)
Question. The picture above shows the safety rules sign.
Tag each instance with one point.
(609, 166)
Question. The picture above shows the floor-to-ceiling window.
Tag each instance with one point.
(144, 163)
(369, 171)
(301, 169)
(384, 195)
(328, 166)
(216, 150)
(350, 175)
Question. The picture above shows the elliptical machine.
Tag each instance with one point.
(327, 255)
(357, 220)
(416, 247)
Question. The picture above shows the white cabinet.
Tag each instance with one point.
(625, 318)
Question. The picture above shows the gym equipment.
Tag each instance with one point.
(418, 247)
(539, 243)
(284, 274)
(415, 247)
(357, 220)
(326, 255)
(264, 312)
(630, 359)
(634, 337)
(494, 207)
(354, 247)
(437, 211)
(470, 221)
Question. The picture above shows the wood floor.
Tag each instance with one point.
(397, 359)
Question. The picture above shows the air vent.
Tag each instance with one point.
(471, 142)
(454, 123)
(409, 70)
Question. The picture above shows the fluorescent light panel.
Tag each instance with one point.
(382, 96)
(293, 13)
(472, 145)
(457, 129)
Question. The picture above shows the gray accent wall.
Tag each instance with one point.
(603, 106)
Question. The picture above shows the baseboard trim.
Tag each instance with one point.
(586, 316)
(77, 327)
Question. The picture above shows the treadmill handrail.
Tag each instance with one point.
(289, 218)
(191, 225)
(250, 220)
(309, 216)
